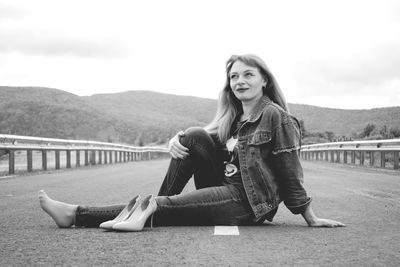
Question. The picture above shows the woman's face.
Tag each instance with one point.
(246, 82)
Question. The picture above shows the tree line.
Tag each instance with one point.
(369, 132)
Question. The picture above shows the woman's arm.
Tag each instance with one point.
(314, 221)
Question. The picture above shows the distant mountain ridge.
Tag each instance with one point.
(141, 117)
(343, 121)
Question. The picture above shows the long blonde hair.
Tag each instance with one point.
(229, 106)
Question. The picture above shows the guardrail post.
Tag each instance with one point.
(93, 157)
(396, 160)
(338, 156)
(332, 156)
(345, 157)
(44, 160)
(105, 156)
(326, 156)
(353, 157)
(115, 156)
(86, 157)
(68, 152)
(362, 158)
(78, 158)
(372, 158)
(11, 161)
(57, 153)
(383, 159)
(29, 160)
(100, 156)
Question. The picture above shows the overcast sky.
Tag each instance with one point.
(341, 54)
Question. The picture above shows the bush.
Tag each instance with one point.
(394, 132)
(368, 130)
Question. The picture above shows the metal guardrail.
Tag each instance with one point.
(384, 152)
(94, 152)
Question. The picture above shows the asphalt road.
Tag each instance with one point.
(367, 200)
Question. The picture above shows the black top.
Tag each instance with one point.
(231, 159)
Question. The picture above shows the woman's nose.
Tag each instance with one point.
(240, 80)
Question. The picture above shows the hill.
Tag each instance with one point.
(141, 117)
(54, 113)
(342, 121)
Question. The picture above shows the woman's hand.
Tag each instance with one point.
(176, 149)
(326, 223)
(314, 221)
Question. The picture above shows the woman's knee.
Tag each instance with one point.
(195, 135)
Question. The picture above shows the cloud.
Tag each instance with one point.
(366, 70)
(43, 44)
(10, 12)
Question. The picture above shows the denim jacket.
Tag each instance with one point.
(269, 163)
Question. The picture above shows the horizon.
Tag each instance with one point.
(166, 93)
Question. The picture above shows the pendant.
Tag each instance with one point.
(231, 143)
(230, 169)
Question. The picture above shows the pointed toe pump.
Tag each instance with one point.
(138, 217)
(132, 205)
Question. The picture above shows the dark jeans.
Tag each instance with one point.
(217, 201)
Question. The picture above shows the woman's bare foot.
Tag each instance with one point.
(62, 213)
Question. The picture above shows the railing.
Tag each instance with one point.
(377, 153)
(76, 152)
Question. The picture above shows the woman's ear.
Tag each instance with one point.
(265, 83)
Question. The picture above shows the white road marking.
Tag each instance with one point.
(226, 230)
(7, 177)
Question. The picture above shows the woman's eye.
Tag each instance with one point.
(233, 77)
(249, 74)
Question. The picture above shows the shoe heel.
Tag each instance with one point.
(128, 209)
(138, 218)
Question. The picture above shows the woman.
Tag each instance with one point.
(244, 164)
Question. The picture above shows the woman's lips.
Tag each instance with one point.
(242, 89)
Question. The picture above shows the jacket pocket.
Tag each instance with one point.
(259, 137)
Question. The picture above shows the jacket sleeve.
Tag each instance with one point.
(286, 164)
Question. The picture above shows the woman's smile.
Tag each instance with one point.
(242, 89)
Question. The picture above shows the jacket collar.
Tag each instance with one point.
(258, 109)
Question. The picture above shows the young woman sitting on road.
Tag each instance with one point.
(244, 164)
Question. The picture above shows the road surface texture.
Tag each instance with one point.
(367, 200)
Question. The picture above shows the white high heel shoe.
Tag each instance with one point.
(132, 205)
(138, 217)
